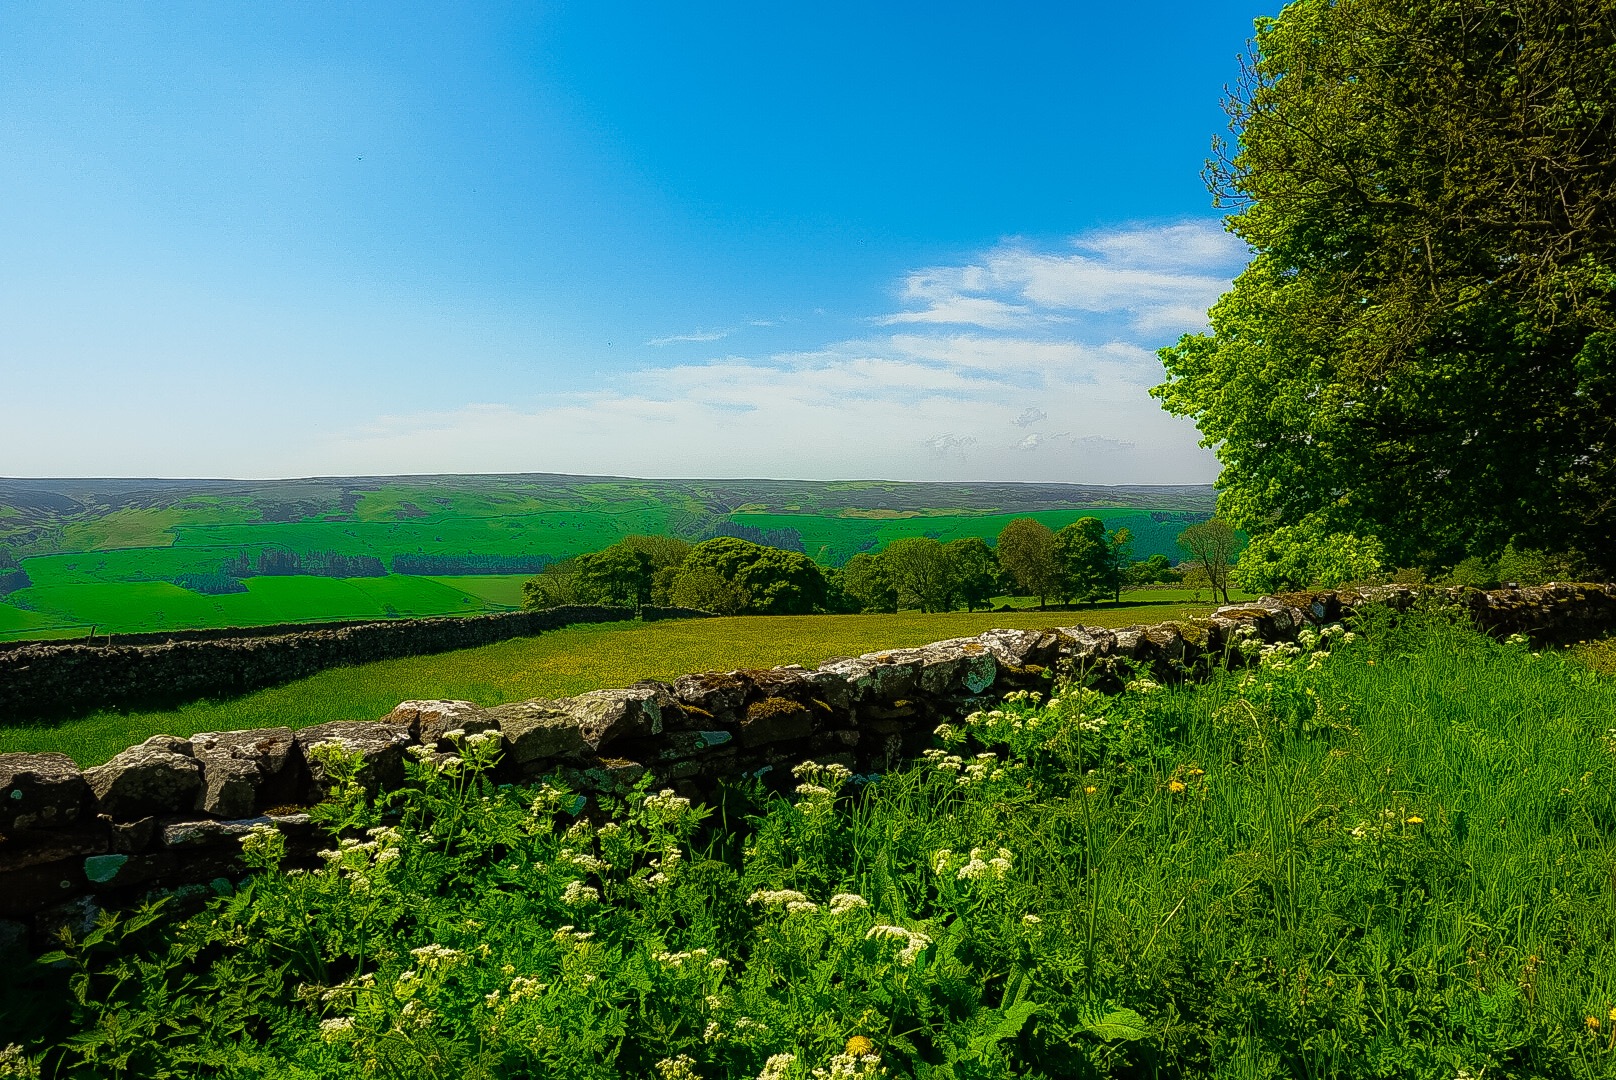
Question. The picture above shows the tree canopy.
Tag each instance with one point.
(1421, 349)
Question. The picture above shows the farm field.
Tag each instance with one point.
(130, 556)
(1394, 861)
(557, 664)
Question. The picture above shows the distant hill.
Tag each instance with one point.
(149, 555)
(32, 509)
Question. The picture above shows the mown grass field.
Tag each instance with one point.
(1391, 861)
(568, 661)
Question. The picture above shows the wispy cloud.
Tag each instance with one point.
(1022, 364)
(694, 335)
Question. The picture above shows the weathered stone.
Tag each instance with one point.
(246, 771)
(538, 729)
(433, 720)
(53, 845)
(961, 665)
(133, 837)
(157, 777)
(101, 869)
(380, 749)
(608, 776)
(78, 915)
(892, 675)
(776, 719)
(34, 888)
(720, 695)
(209, 833)
(13, 936)
(605, 716)
(790, 681)
(1014, 648)
(40, 791)
(1165, 641)
(856, 676)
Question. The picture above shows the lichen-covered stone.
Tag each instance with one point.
(720, 695)
(538, 729)
(157, 777)
(40, 791)
(380, 748)
(246, 771)
(776, 719)
(604, 716)
(433, 720)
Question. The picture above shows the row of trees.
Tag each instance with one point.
(1082, 561)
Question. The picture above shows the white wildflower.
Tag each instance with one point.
(778, 1067)
(842, 903)
(336, 1029)
(437, 956)
(914, 942)
(577, 893)
(682, 1067)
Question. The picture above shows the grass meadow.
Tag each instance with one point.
(1382, 857)
(557, 664)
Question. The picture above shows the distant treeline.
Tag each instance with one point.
(272, 563)
(12, 580)
(211, 584)
(471, 564)
(784, 539)
(732, 575)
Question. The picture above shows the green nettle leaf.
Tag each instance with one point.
(1119, 1025)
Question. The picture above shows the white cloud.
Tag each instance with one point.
(694, 335)
(1156, 278)
(1023, 364)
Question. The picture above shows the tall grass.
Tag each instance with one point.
(1395, 860)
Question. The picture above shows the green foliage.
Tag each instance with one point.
(920, 570)
(865, 584)
(1211, 545)
(774, 582)
(1028, 558)
(973, 571)
(1386, 856)
(1300, 556)
(1420, 349)
(1156, 570)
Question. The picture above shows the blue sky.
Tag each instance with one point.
(917, 241)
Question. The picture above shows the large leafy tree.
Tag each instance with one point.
(919, 569)
(773, 581)
(1028, 558)
(1422, 347)
(973, 571)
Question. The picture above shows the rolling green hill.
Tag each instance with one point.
(149, 555)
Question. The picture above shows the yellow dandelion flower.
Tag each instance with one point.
(1613, 1015)
(1090, 790)
(1414, 819)
(1175, 786)
(1593, 1023)
(1197, 772)
(859, 1046)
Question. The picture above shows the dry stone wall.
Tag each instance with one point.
(170, 812)
(50, 680)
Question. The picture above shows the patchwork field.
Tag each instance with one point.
(131, 556)
(557, 664)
